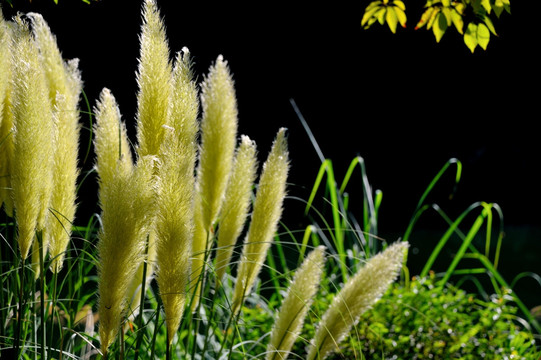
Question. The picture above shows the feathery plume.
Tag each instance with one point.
(65, 85)
(296, 304)
(176, 185)
(31, 169)
(62, 77)
(154, 80)
(266, 214)
(111, 144)
(218, 138)
(65, 173)
(127, 204)
(114, 166)
(218, 141)
(359, 293)
(236, 203)
(6, 117)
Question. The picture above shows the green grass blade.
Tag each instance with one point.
(432, 184)
(499, 278)
(486, 211)
(443, 240)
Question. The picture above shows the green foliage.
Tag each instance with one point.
(423, 320)
(439, 15)
(428, 321)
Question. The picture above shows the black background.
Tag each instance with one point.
(401, 101)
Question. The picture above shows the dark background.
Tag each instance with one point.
(403, 102)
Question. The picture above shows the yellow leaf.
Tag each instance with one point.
(424, 18)
(401, 15)
(399, 4)
(457, 21)
(380, 15)
(486, 4)
(447, 12)
(391, 18)
(433, 17)
(370, 11)
(459, 7)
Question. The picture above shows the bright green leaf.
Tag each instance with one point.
(483, 35)
(470, 37)
(489, 25)
(440, 26)
(391, 18)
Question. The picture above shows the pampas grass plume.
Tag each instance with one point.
(111, 144)
(218, 138)
(217, 150)
(127, 209)
(296, 304)
(6, 117)
(265, 216)
(236, 203)
(154, 80)
(64, 83)
(359, 293)
(33, 139)
(176, 186)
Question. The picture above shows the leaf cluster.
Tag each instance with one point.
(471, 18)
(427, 321)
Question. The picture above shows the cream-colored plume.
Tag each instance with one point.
(176, 186)
(33, 139)
(218, 141)
(218, 138)
(359, 293)
(65, 85)
(236, 204)
(111, 144)
(295, 306)
(127, 204)
(265, 217)
(6, 117)
(154, 80)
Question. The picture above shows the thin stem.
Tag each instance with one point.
(39, 236)
(167, 347)
(141, 307)
(156, 327)
(121, 350)
(21, 305)
(53, 313)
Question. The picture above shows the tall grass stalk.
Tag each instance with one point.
(264, 221)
